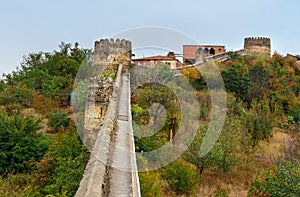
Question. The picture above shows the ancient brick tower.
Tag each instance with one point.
(258, 46)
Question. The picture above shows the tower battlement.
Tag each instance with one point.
(258, 45)
(113, 44)
(107, 50)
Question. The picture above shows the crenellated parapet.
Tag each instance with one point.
(258, 45)
(108, 50)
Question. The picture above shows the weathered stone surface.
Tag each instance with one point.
(99, 95)
(258, 46)
(106, 51)
(94, 178)
(122, 158)
(101, 127)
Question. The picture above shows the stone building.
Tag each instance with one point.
(293, 57)
(191, 52)
(258, 45)
(154, 60)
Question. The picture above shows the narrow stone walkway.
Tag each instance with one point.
(121, 176)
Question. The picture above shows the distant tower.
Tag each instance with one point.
(107, 50)
(258, 46)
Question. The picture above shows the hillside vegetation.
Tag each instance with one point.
(41, 152)
(257, 153)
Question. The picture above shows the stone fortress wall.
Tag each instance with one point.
(101, 113)
(106, 54)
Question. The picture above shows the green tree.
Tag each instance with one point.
(79, 54)
(58, 66)
(259, 81)
(223, 154)
(236, 81)
(58, 119)
(192, 153)
(17, 94)
(2, 86)
(19, 142)
(285, 182)
(259, 121)
(181, 177)
(295, 113)
(63, 165)
(163, 107)
(79, 96)
(50, 74)
(247, 156)
(156, 93)
(37, 79)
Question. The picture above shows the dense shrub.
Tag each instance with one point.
(182, 178)
(19, 142)
(16, 94)
(285, 182)
(58, 119)
(42, 104)
(61, 170)
(295, 113)
(150, 184)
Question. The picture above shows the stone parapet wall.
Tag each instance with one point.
(98, 98)
(101, 117)
(108, 55)
(94, 181)
(220, 57)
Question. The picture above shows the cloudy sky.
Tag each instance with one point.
(37, 25)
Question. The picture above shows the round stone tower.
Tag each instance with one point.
(106, 50)
(258, 46)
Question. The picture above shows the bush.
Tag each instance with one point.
(59, 173)
(181, 177)
(138, 114)
(15, 185)
(17, 94)
(68, 173)
(150, 184)
(295, 113)
(19, 142)
(111, 74)
(221, 192)
(58, 119)
(285, 181)
(42, 104)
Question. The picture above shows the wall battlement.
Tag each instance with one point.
(113, 43)
(107, 50)
(258, 45)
